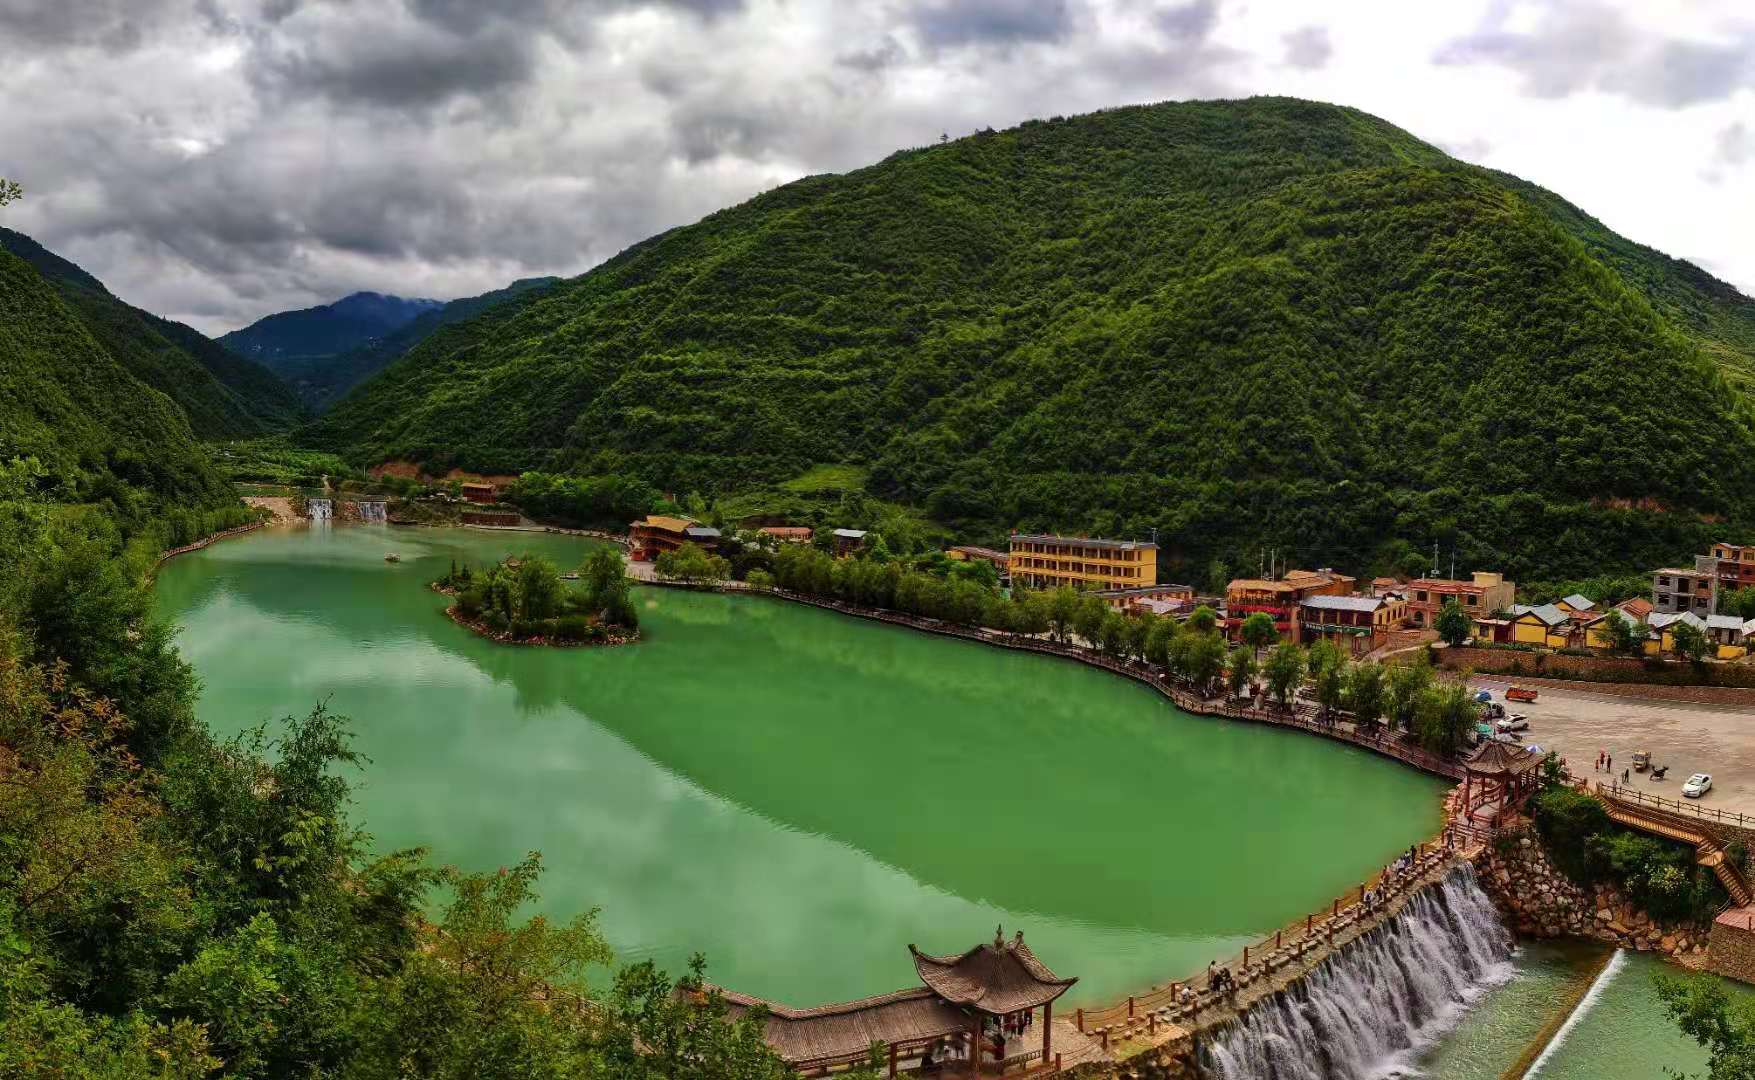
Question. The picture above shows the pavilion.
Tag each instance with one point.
(1497, 777)
(968, 994)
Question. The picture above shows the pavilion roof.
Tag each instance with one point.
(997, 978)
(1498, 759)
(850, 1027)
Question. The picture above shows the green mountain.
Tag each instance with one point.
(224, 396)
(322, 378)
(97, 430)
(1245, 324)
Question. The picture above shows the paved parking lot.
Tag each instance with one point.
(1689, 738)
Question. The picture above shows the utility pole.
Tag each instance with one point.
(1434, 558)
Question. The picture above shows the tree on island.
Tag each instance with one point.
(691, 564)
(528, 598)
(1452, 623)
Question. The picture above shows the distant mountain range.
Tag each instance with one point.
(323, 352)
(223, 396)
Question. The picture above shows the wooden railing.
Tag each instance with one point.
(1674, 806)
(1183, 1002)
(206, 540)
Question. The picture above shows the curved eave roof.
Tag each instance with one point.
(999, 978)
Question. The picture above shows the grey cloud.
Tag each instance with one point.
(1308, 48)
(113, 25)
(1193, 21)
(1582, 45)
(954, 23)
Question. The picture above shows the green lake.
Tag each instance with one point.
(797, 794)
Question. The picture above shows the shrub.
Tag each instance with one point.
(572, 628)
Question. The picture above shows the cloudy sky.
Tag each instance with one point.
(216, 160)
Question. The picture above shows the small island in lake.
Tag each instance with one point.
(527, 601)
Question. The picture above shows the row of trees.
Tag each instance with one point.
(527, 597)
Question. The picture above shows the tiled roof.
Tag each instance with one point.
(1085, 541)
(1547, 613)
(1001, 977)
(1580, 602)
(1344, 603)
(668, 524)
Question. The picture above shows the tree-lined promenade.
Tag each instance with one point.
(1191, 654)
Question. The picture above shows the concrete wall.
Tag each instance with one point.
(1605, 669)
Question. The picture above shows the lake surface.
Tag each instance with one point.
(797, 794)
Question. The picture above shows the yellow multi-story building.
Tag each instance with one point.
(1048, 562)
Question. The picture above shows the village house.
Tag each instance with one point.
(478, 491)
(970, 553)
(1041, 561)
(1664, 623)
(1357, 624)
(1280, 599)
(1576, 605)
(787, 534)
(1633, 612)
(655, 534)
(1482, 595)
(1543, 624)
(1736, 565)
(848, 542)
(1674, 589)
(1127, 600)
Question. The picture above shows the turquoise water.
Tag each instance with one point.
(797, 794)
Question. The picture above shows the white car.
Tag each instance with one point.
(1697, 785)
(1515, 722)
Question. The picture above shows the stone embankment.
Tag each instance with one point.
(206, 540)
(1539, 901)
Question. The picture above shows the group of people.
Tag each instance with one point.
(1606, 763)
(995, 1030)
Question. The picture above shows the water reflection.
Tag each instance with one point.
(798, 794)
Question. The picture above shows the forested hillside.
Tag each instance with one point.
(95, 432)
(1266, 322)
(223, 396)
(321, 379)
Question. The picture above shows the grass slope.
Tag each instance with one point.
(224, 396)
(1265, 322)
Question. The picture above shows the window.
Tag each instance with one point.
(1663, 582)
(1420, 596)
(1664, 600)
(1473, 600)
(1419, 618)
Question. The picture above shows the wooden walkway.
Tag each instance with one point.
(1709, 850)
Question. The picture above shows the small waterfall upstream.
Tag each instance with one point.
(372, 513)
(319, 509)
(1363, 1013)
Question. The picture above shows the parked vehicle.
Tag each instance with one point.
(1515, 722)
(1492, 710)
(1697, 785)
(1641, 760)
(1520, 693)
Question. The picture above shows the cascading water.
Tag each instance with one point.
(319, 509)
(371, 513)
(1362, 1013)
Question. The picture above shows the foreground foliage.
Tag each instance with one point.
(1659, 876)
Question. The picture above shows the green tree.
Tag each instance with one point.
(1032, 616)
(10, 192)
(1202, 620)
(1158, 639)
(1690, 641)
(1113, 634)
(1239, 670)
(1063, 608)
(692, 564)
(1452, 623)
(1284, 671)
(1088, 617)
(1703, 1011)
(1409, 681)
(1258, 631)
(1738, 602)
(1447, 714)
(1624, 634)
(1367, 694)
(1203, 658)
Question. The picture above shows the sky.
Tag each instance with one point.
(218, 160)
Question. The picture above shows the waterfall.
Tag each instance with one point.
(318, 509)
(371, 512)
(1363, 1012)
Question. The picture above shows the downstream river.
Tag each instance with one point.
(796, 794)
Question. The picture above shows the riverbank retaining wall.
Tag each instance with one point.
(1711, 684)
(1540, 901)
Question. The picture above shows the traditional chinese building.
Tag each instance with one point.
(478, 492)
(996, 998)
(1482, 595)
(1357, 624)
(1280, 599)
(655, 534)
